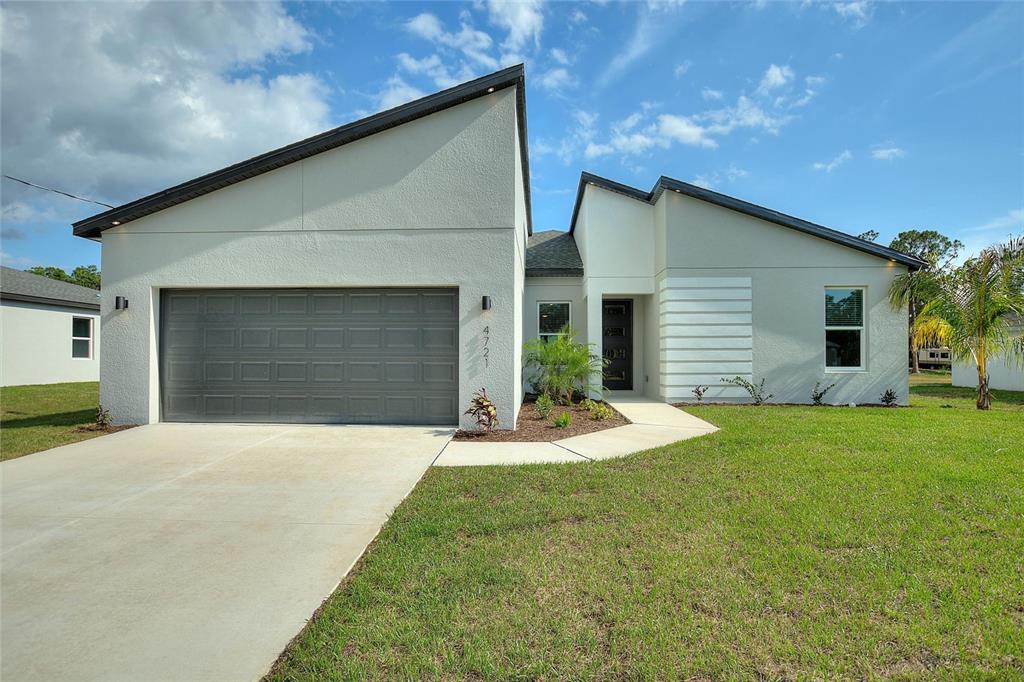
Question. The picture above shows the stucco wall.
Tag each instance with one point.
(35, 345)
(736, 295)
(429, 203)
(1003, 373)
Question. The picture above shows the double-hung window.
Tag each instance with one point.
(551, 318)
(81, 337)
(844, 329)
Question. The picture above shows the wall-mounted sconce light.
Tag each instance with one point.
(120, 303)
(486, 303)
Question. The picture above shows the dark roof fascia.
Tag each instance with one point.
(732, 203)
(554, 272)
(513, 76)
(25, 298)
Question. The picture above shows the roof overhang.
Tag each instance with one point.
(42, 300)
(514, 76)
(665, 184)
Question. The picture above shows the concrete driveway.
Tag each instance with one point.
(188, 551)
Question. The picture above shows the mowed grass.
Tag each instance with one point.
(34, 418)
(797, 542)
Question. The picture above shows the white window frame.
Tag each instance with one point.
(545, 336)
(92, 334)
(862, 367)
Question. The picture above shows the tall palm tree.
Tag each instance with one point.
(975, 310)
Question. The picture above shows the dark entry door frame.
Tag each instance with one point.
(617, 343)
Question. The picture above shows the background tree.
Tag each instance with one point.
(914, 289)
(976, 310)
(83, 275)
(868, 235)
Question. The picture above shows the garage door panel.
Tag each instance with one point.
(310, 355)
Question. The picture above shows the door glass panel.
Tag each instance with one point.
(614, 331)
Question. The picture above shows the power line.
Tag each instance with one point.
(55, 191)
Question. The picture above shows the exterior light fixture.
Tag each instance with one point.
(490, 89)
(120, 303)
(485, 303)
(116, 222)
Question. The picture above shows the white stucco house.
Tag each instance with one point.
(1004, 372)
(49, 330)
(383, 271)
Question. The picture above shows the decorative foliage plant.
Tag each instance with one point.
(544, 405)
(699, 391)
(560, 367)
(562, 421)
(756, 391)
(818, 393)
(889, 398)
(103, 420)
(977, 310)
(598, 411)
(483, 411)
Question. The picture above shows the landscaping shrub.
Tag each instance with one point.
(483, 410)
(598, 411)
(562, 421)
(889, 398)
(103, 420)
(756, 391)
(561, 367)
(544, 405)
(699, 391)
(818, 393)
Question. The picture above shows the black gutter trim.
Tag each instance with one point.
(732, 203)
(554, 272)
(513, 76)
(25, 298)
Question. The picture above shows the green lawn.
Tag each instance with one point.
(34, 418)
(797, 542)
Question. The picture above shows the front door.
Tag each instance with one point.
(617, 342)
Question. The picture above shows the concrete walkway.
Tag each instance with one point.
(188, 551)
(654, 424)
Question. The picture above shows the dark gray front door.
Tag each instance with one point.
(357, 356)
(617, 343)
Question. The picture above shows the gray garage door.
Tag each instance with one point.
(356, 356)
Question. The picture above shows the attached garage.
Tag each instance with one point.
(346, 356)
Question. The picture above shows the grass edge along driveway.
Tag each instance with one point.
(34, 418)
(795, 542)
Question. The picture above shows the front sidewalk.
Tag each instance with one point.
(654, 424)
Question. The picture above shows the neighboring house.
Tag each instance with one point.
(934, 358)
(49, 330)
(384, 271)
(1004, 372)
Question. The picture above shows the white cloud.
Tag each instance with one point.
(123, 99)
(744, 114)
(397, 92)
(523, 19)
(1012, 219)
(560, 56)
(19, 262)
(774, 77)
(683, 68)
(839, 160)
(684, 130)
(652, 28)
(887, 153)
(556, 80)
(577, 17)
(859, 12)
(711, 180)
(710, 95)
(475, 45)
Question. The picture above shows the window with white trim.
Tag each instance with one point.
(844, 329)
(552, 316)
(81, 337)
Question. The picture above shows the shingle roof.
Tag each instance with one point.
(512, 77)
(552, 254)
(17, 285)
(669, 184)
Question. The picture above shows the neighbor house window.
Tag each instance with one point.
(551, 317)
(81, 337)
(844, 328)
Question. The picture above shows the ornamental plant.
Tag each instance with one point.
(560, 367)
(483, 411)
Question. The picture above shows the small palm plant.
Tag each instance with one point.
(561, 367)
(975, 310)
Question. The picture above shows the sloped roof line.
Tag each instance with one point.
(513, 76)
(18, 285)
(666, 183)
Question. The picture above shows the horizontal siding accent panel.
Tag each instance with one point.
(706, 332)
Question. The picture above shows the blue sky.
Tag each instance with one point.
(883, 116)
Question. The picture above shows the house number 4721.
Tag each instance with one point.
(487, 340)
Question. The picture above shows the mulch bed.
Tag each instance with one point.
(531, 427)
(92, 428)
